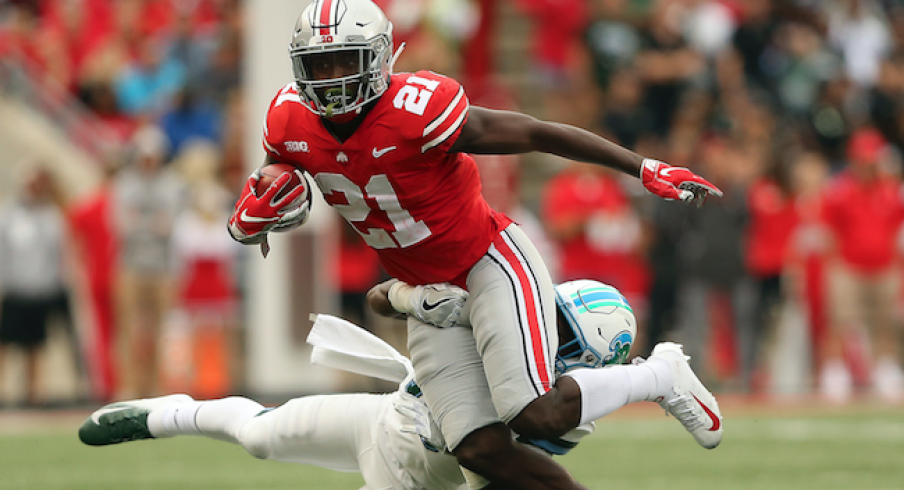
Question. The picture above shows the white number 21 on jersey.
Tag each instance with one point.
(407, 231)
(415, 99)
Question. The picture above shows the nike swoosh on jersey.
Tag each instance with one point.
(378, 153)
(255, 219)
(709, 413)
(103, 411)
(430, 306)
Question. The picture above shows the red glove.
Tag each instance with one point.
(670, 182)
(254, 215)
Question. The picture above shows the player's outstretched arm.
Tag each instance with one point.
(489, 131)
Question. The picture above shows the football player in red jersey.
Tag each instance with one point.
(390, 153)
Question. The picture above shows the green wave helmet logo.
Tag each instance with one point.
(619, 348)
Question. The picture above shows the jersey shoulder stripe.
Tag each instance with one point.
(445, 115)
(459, 111)
(446, 108)
(277, 118)
(288, 93)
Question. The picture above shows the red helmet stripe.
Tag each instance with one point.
(326, 7)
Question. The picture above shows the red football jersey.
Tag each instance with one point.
(393, 180)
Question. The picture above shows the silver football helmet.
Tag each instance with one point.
(355, 32)
(601, 322)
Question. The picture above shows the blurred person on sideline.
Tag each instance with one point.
(864, 212)
(803, 64)
(96, 247)
(33, 281)
(589, 215)
(886, 100)
(151, 82)
(830, 120)
(711, 265)
(810, 243)
(190, 118)
(753, 40)
(768, 236)
(667, 66)
(624, 117)
(205, 260)
(612, 39)
(148, 196)
(666, 227)
(859, 30)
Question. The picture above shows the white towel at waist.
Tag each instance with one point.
(340, 344)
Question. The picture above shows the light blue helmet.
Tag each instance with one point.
(601, 321)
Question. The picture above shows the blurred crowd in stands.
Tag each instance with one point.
(794, 108)
(161, 83)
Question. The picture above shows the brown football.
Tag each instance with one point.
(271, 172)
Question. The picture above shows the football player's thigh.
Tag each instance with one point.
(450, 374)
(512, 313)
(329, 431)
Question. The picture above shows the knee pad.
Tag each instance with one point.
(255, 437)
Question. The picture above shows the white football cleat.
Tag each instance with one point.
(690, 402)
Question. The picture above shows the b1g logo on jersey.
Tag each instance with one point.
(297, 146)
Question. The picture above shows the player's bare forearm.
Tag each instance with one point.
(504, 132)
(378, 299)
(551, 415)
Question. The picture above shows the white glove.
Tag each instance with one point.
(422, 422)
(436, 304)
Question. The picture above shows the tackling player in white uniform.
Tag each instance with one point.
(391, 439)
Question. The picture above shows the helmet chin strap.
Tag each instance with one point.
(395, 57)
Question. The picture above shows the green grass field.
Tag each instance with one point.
(763, 449)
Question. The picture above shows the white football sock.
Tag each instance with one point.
(223, 419)
(605, 390)
(176, 419)
(217, 419)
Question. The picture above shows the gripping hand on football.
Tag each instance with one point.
(670, 182)
(436, 304)
(297, 211)
(255, 215)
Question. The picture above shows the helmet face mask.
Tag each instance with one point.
(337, 93)
(600, 325)
(341, 52)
